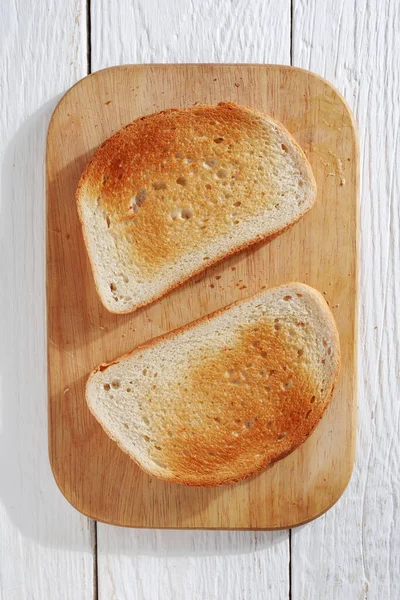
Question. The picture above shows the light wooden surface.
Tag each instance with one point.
(94, 474)
(46, 548)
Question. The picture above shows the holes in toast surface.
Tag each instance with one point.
(108, 221)
(211, 163)
(138, 199)
(141, 196)
(312, 400)
(186, 213)
(287, 298)
(116, 383)
(107, 387)
(218, 140)
(222, 173)
(284, 148)
(181, 181)
(159, 185)
(113, 287)
(286, 385)
(281, 436)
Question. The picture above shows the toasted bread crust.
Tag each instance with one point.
(280, 421)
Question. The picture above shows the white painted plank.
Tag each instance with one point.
(173, 31)
(46, 547)
(354, 550)
(181, 565)
(163, 565)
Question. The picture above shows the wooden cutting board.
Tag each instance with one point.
(321, 250)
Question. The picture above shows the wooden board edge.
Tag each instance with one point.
(338, 96)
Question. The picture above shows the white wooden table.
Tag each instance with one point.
(48, 550)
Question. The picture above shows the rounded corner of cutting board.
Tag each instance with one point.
(337, 96)
(59, 108)
(316, 515)
(311, 516)
(75, 499)
(65, 490)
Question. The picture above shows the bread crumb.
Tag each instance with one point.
(66, 390)
(109, 102)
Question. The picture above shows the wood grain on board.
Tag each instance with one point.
(321, 250)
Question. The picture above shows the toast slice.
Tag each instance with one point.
(174, 192)
(223, 397)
